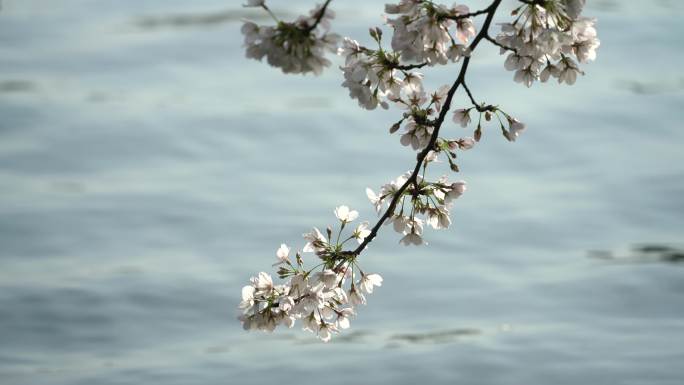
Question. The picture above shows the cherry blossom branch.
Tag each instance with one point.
(544, 40)
(489, 11)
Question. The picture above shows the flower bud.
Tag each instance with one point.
(478, 133)
(376, 33)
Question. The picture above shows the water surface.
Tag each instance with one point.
(147, 169)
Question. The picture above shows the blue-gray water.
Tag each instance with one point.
(147, 170)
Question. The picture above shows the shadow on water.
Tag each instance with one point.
(646, 253)
(16, 86)
(651, 88)
(616, 5)
(204, 19)
(434, 337)
(394, 340)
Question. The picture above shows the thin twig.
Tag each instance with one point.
(319, 17)
(410, 66)
(470, 14)
(478, 107)
(533, 2)
(496, 43)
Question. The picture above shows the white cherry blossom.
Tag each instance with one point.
(361, 232)
(315, 241)
(368, 281)
(345, 214)
(282, 254)
(343, 317)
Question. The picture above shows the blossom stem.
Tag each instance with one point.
(264, 6)
(337, 241)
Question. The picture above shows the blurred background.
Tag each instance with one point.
(147, 170)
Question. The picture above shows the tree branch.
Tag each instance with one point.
(460, 80)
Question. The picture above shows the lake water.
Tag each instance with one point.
(147, 170)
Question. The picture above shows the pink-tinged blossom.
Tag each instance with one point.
(462, 117)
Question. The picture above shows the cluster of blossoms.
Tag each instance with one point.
(325, 300)
(430, 33)
(375, 76)
(296, 47)
(422, 202)
(424, 33)
(544, 38)
(547, 38)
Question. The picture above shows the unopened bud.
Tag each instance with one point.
(375, 33)
(478, 133)
(395, 127)
(329, 232)
(454, 167)
(488, 116)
